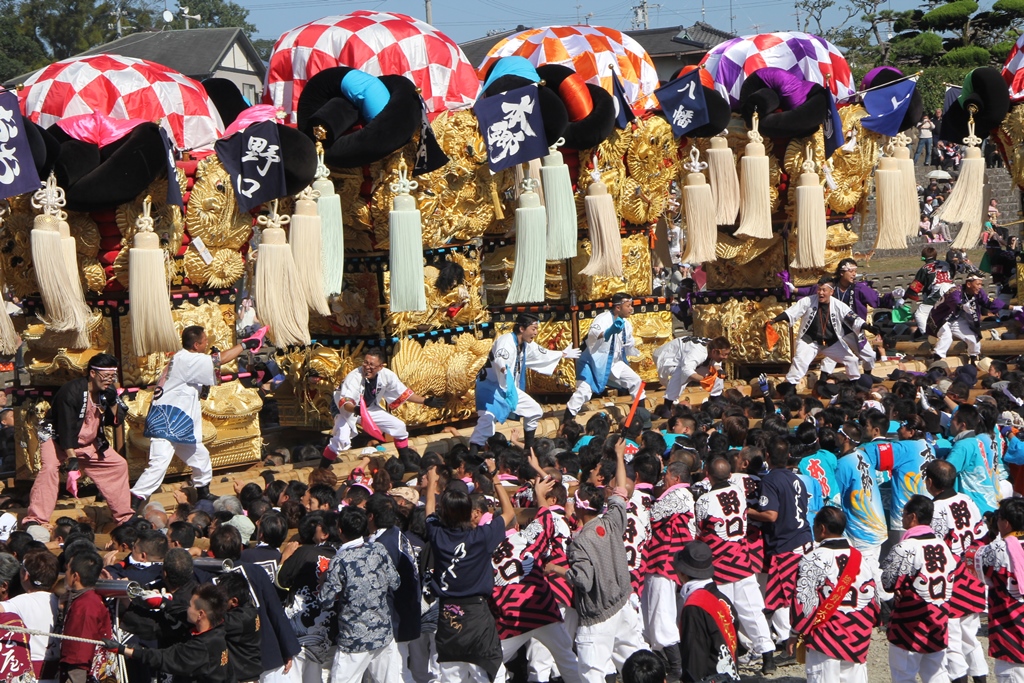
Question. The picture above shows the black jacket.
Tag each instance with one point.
(242, 626)
(200, 659)
(404, 602)
(167, 625)
(67, 414)
(278, 642)
(704, 648)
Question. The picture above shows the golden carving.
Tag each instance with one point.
(167, 223)
(651, 161)
(26, 436)
(356, 310)
(745, 263)
(742, 322)
(851, 169)
(440, 368)
(465, 296)
(16, 247)
(636, 270)
(51, 361)
(226, 268)
(212, 213)
(311, 377)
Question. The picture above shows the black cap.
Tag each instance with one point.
(526, 319)
(694, 561)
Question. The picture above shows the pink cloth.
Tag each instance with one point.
(91, 423)
(97, 128)
(915, 531)
(369, 426)
(109, 471)
(254, 114)
(1015, 553)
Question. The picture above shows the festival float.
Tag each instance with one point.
(387, 193)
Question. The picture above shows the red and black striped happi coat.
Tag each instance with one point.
(1005, 602)
(672, 527)
(920, 571)
(959, 523)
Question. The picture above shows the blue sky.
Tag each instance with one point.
(465, 20)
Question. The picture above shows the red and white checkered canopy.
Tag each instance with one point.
(123, 88)
(1013, 74)
(379, 43)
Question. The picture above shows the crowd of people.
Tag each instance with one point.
(680, 543)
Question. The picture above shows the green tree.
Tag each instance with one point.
(264, 46)
(19, 52)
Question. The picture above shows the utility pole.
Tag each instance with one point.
(578, 8)
(702, 16)
(430, 12)
(641, 17)
(732, 18)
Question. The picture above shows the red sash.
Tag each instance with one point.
(885, 457)
(843, 585)
(720, 612)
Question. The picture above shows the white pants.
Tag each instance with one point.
(865, 353)
(745, 596)
(822, 669)
(526, 408)
(279, 676)
(464, 672)
(621, 376)
(381, 665)
(870, 559)
(906, 666)
(161, 451)
(921, 317)
(804, 354)
(556, 639)
(1009, 672)
(540, 663)
(344, 427)
(308, 669)
(660, 606)
(964, 654)
(960, 328)
(419, 660)
(782, 622)
(603, 648)
(674, 384)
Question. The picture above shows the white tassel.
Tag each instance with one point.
(530, 268)
(908, 185)
(408, 288)
(560, 207)
(304, 236)
(725, 184)
(701, 225)
(755, 189)
(811, 230)
(64, 311)
(966, 203)
(277, 284)
(603, 224)
(889, 211)
(332, 228)
(152, 323)
(529, 169)
(70, 252)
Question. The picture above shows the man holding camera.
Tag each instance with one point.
(73, 436)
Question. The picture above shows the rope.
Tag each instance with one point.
(61, 636)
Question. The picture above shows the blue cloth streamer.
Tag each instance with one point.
(512, 66)
(366, 92)
(615, 328)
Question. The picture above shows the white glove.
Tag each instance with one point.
(1017, 309)
(898, 302)
(898, 293)
(570, 353)
(790, 287)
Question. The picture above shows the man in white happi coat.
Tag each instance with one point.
(824, 325)
(365, 397)
(501, 384)
(686, 360)
(602, 362)
(174, 424)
